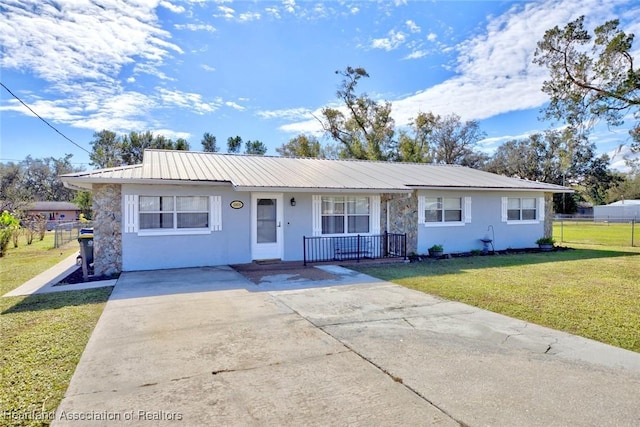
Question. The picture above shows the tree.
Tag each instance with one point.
(234, 144)
(14, 196)
(454, 141)
(110, 150)
(591, 78)
(255, 147)
(365, 129)
(209, 143)
(105, 150)
(84, 201)
(132, 146)
(418, 148)
(181, 144)
(626, 187)
(301, 146)
(557, 157)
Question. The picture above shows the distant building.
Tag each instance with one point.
(54, 212)
(620, 211)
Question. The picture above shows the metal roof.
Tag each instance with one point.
(53, 206)
(254, 173)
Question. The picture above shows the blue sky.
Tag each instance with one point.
(262, 69)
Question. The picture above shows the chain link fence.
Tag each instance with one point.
(68, 231)
(586, 230)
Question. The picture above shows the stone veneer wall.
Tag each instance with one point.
(107, 229)
(548, 214)
(403, 217)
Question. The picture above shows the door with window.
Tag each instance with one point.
(266, 226)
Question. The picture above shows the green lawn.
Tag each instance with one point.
(590, 291)
(596, 233)
(42, 336)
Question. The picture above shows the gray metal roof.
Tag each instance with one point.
(253, 173)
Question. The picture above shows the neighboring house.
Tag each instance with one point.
(54, 212)
(186, 209)
(620, 211)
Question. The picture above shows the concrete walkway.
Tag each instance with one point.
(45, 282)
(208, 347)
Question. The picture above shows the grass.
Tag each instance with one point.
(43, 336)
(596, 233)
(590, 291)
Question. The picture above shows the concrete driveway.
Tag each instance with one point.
(208, 347)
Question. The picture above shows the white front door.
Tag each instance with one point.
(266, 226)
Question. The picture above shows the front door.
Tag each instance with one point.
(266, 226)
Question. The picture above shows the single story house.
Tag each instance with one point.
(54, 212)
(186, 209)
(620, 211)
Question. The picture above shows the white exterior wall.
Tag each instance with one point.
(486, 210)
(616, 213)
(230, 245)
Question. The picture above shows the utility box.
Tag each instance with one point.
(85, 239)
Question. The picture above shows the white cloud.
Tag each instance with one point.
(171, 134)
(189, 101)
(416, 54)
(208, 68)
(234, 105)
(249, 16)
(196, 27)
(287, 114)
(273, 11)
(394, 40)
(173, 8)
(227, 12)
(413, 27)
(495, 73)
(131, 79)
(81, 41)
(289, 5)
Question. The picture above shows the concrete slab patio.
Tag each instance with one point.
(209, 347)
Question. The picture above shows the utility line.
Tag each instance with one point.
(46, 122)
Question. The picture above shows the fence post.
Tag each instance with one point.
(304, 250)
(404, 249)
(633, 229)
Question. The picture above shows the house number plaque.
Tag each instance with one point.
(236, 204)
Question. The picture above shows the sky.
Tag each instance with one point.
(262, 70)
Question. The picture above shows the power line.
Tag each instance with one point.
(46, 122)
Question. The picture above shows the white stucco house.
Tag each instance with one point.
(186, 209)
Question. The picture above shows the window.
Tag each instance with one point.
(442, 209)
(521, 209)
(173, 212)
(345, 214)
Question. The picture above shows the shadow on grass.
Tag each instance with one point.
(58, 300)
(456, 265)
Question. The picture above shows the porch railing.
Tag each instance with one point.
(340, 248)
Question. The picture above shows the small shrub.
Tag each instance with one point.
(8, 224)
(546, 241)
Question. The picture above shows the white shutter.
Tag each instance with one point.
(316, 215)
(467, 210)
(130, 213)
(216, 213)
(505, 205)
(374, 212)
(421, 203)
(541, 208)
